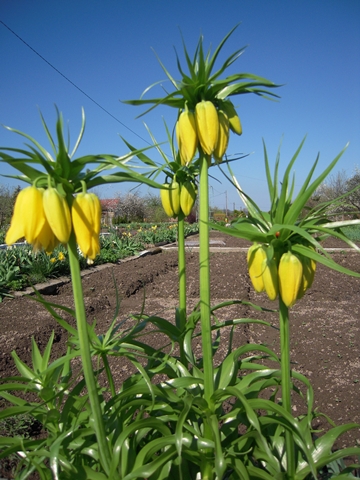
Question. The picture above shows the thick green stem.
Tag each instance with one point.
(204, 264)
(286, 383)
(205, 311)
(103, 445)
(182, 282)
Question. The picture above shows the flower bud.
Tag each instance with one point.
(28, 218)
(234, 120)
(207, 124)
(290, 276)
(46, 239)
(255, 257)
(187, 198)
(86, 218)
(175, 197)
(165, 200)
(270, 277)
(57, 214)
(309, 268)
(223, 139)
(170, 199)
(186, 136)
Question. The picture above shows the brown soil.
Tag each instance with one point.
(325, 329)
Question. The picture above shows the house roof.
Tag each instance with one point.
(108, 204)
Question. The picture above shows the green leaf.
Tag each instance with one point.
(93, 475)
(81, 134)
(36, 357)
(24, 370)
(328, 262)
(179, 434)
(280, 209)
(304, 194)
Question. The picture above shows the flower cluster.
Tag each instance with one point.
(59, 258)
(287, 274)
(208, 126)
(45, 219)
(176, 198)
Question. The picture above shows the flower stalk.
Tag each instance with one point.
(286, 383)
(182, 281)
(204, 265)
(205, 310)
(103, 445)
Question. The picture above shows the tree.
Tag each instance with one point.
(337, 185)
(129, 208)
(353, 183)
(7, 200)
(154, 211)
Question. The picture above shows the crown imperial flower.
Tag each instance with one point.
(57, 214)
(186, 135)
(207, 124)
(86, 217)
(28, 218)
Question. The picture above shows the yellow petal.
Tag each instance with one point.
(57, 214)
(32, 213)
(86, 218)
(15, 232)
(46, 239)
(28, 217)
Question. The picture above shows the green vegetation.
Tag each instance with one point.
(20, 267)
(352, 232)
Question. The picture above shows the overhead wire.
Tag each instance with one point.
(72, 83)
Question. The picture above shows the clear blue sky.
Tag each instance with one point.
(104, 47)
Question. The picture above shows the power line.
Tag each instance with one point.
(80, 89)
(72, 83)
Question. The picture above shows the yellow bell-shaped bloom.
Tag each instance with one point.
(207, 125)
(28, 218)
(57, 213)
(46, 239)
(86, 218)
(234, 120)
(187, 198)
(290, 277)
(255, 258)
(186, 136)
(223, 138)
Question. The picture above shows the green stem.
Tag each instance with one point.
(103, 445)
(182, 282)
(286, 383)
(204, 264)
(205, 312)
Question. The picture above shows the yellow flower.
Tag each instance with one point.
(86, 216)
(61, 256)
(57, 214)
(207, 124)
(52, 260)
(46, 239)
(28, 218)
(186, 135)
